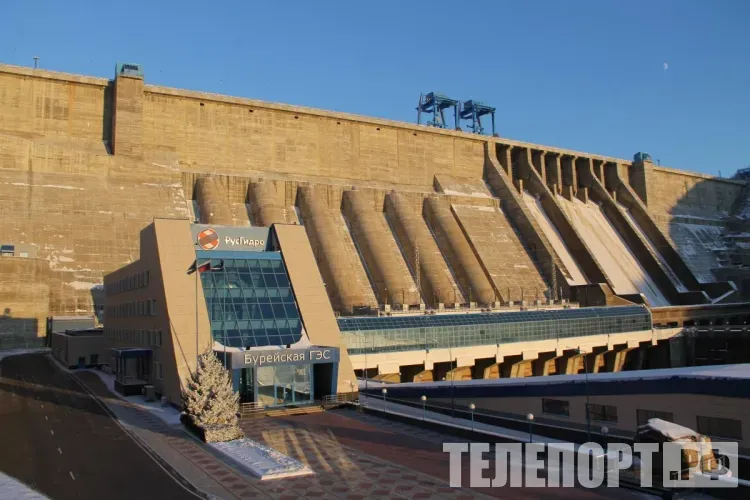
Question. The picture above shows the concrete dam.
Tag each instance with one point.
(400, 217)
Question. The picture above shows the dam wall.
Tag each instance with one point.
(86, 163)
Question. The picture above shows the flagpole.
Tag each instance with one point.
(197, 272)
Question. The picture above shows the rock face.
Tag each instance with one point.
(210, 404)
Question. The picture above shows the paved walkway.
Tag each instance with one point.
(340, 472)
(354, 456)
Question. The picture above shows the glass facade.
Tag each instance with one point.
(405, 333)
(283, 385)
(250, 301)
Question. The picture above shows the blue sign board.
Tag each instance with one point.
(313, 355)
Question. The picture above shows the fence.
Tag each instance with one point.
(8, 342)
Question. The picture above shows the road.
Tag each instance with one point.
(56, 438)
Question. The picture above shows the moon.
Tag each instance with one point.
(666, 66)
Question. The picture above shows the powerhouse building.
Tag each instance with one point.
(253, 296)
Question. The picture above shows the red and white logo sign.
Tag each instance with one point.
(208, 239)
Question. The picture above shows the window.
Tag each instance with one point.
(7, 250)
(643, 416)
(603, 413)
(556, 407)
(250, 302)
(24, 254)
(720, 427)
(153, 307)
(157, 370)
(158, 338)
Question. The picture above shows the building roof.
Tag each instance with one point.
(422, 321)
(720, 380)
(86, 332)
(131, 352)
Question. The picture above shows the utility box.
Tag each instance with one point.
(150, 392)
(641, 157)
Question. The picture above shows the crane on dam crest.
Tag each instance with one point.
(472, 111)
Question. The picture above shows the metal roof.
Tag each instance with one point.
(423, 321)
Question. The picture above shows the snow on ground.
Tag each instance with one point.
(549, 230)
(169, 414)
(672, 276)
(255, 458)
(698, 245)
(17, 352)
(467, 192)
(11, 488)
(623, 270)
(260, 460)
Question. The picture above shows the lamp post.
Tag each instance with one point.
(453, 376)
(384, 391)
(424, 407)
(578, 350)
(472, 407)
(366, 365)
(530, 418)
(586, 386)
(605, 431)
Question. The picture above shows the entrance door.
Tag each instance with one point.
(247, 386)
(285, 385)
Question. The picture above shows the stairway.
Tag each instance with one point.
(300, 410)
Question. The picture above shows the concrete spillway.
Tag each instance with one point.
(379, 250)
(662, 261)
(457, 251)
(212, 202)
(345, 278)
(414, 237)
(535, 207)
(624, 272)
(265, 206)
(507, 261)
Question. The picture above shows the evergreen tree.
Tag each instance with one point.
(209, 398)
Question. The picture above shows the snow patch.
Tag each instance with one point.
(82, 285)
(173, 168)
(18, 352)
(475, 194)
(11, 487)
(54, 186)
(261, 461)
(173, 185)
(671, 430)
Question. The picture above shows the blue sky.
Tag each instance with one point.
(582, 74)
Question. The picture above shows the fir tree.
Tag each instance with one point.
(209, 399)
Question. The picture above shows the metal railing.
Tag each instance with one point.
(253, 408)
(337, 399)
(10, 342)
